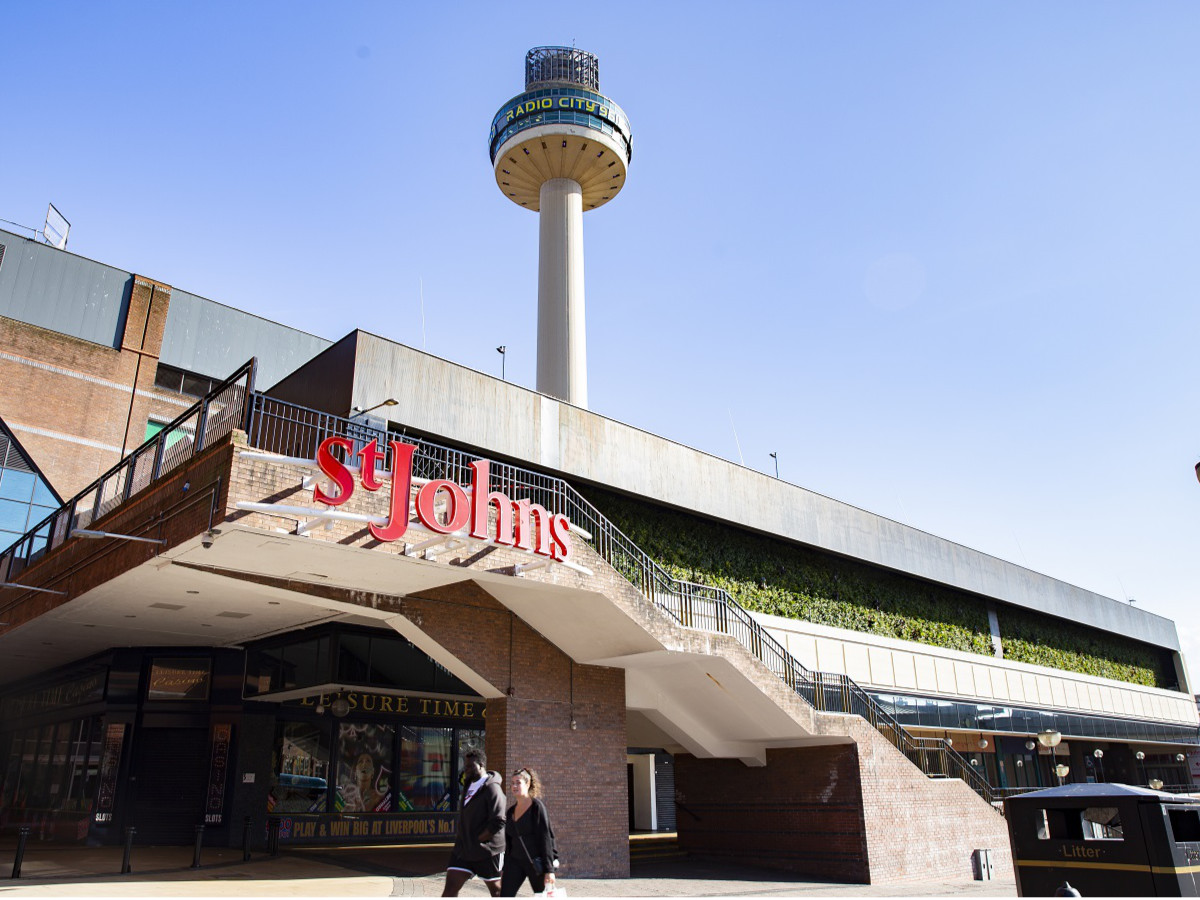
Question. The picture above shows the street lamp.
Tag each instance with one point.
(775, 456)
(1141, 758)
(503, 351)
(1061, 771)
(1099, 754)
(362, 412)
(1156, 784)
(1051, 739)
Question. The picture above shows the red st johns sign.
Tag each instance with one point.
(519, 523)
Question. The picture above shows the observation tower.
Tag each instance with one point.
(560, 148)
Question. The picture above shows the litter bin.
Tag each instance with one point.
(1107, 840)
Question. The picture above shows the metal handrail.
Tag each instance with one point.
(287, 428)
(203, 424)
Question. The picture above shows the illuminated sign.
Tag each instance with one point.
(520, 524)
(592, 104)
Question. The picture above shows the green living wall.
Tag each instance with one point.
(1045, 641)
(786, 579)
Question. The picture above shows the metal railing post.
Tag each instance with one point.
(273, 835)
(23, 831)
(199, 845)
(129, 833)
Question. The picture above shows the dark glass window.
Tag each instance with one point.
(425, 781)
(354, 658)
(379, 659)
(299, 779)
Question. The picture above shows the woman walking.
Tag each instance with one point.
(529, 838)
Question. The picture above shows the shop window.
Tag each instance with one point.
(299, 781)
(84, 769)
(364, 782)
(179, 679)
(425, 779)
(58, 775)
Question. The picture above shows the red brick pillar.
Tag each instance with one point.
(582, 768)
(145, 323)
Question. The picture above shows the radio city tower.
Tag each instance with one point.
(559, 148)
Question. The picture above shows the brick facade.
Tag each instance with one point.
(78, 407)
(855, 812)
(850, 809)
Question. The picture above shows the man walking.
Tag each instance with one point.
(479, 846)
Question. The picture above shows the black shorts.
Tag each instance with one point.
(487, 868)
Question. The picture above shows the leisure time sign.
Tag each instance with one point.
(440, 506)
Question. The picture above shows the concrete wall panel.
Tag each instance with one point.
(512, 421)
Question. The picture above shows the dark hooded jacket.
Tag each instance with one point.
(482, 814)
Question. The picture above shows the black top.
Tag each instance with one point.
(531, 836)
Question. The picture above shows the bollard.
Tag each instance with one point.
(246, 841)
(199, 844)
(129, 832)
(24, 836)
(273, 835)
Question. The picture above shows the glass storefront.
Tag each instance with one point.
(932, 712)
(52, 776)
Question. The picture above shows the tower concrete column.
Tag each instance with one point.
(560, 149)
(562, 343)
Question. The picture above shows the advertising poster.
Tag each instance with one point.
(110, 764)
(364, 776)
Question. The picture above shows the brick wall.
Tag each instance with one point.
(78, 407)
(857, 812)
(174, 509)
(802, 812)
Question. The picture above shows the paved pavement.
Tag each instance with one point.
(51, 871)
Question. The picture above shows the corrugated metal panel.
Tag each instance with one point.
(206, 337)
(54, 289)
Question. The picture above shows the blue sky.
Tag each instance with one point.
(940, 257)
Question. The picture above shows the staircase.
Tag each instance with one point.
(653, 847)
(272, 422)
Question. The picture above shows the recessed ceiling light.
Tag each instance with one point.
(272, 603)
(232, 615)
(165, 606)
(193, 592)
